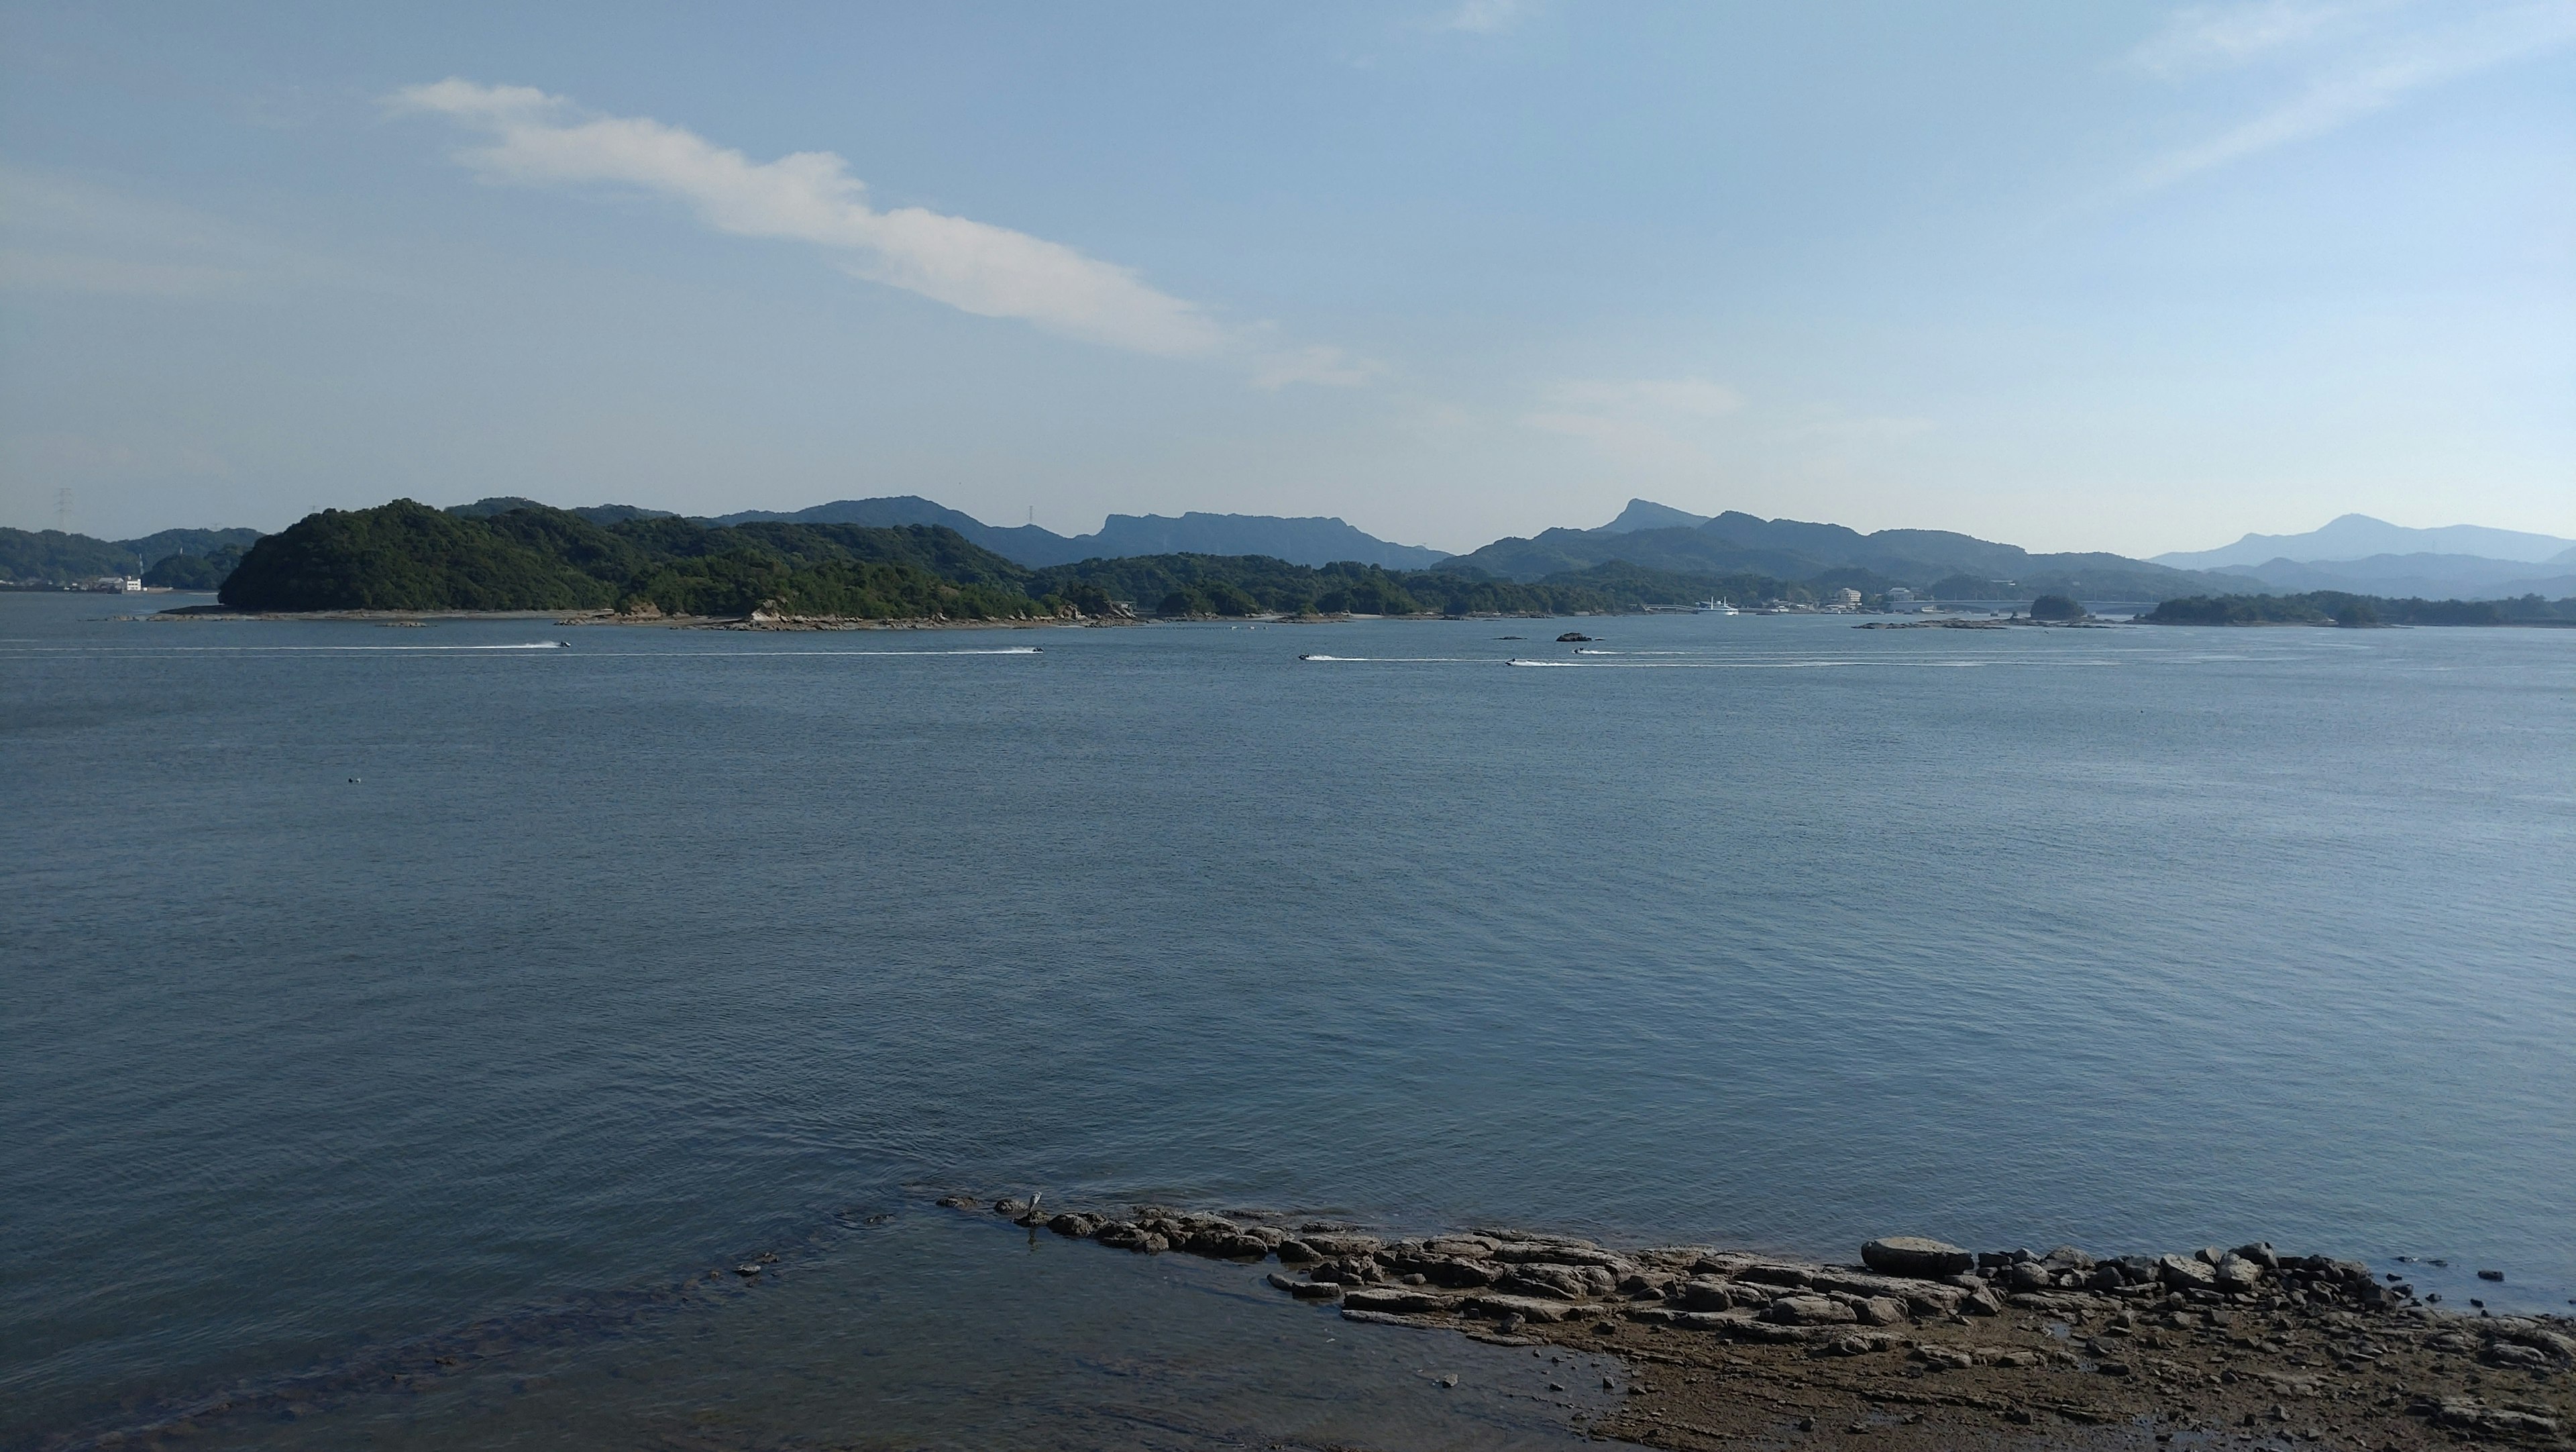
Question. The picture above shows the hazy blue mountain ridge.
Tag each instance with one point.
(1310, 540)
(1646, 534)
(2360, 537)
(1647, 514)
(51, 556)
(1949, 564)
(2431, 576)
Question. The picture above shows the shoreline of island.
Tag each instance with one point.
(1920, 1343)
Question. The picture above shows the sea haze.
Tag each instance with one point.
(363, 983)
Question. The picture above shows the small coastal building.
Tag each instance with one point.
(117, 585)
(1845, 598)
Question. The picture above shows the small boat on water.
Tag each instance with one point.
(1715, 607)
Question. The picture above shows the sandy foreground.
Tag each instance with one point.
(1924, 1345)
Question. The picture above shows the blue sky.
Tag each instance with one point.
(2131, 277)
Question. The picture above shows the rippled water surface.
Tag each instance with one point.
(363, 984)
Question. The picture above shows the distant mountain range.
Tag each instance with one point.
(1950, 566)
(2373, 557)
(2430, 576)
(2354, 553)
(54, 556)
(1311, 540)
(2360, 537)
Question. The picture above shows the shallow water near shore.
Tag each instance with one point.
(358, 994)
(923, 1331)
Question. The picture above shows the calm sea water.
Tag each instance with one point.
(365, 984)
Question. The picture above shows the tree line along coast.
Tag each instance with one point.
(629, 563)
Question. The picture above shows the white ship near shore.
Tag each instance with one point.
(1715, 607)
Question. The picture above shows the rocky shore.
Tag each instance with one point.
(1926, 1345)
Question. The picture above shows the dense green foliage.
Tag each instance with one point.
(2324, 607)
(407, 556)
(2056, 607)
(195, 572)
(52, 557)
(1236, 585)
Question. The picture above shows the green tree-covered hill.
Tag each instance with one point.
(2334, 607)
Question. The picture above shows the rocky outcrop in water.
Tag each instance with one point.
(1928, 1343)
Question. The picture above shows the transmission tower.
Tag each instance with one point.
(63, 510)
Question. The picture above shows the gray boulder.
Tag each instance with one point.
(1703, 1294)
(2030, 1275)
(1528, 1308)
(1563, 1282)
(2237, 1273)
(1391, 1299)
(1882, 1311)
(1915, 1255)
(1811, 1311)
(2188, 1273)
(1333, 1245)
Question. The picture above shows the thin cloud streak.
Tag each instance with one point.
(2213, 37)
(1485, 17)
(2397, 66)
(1319, 364)
(810, 196)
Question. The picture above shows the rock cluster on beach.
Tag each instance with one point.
(2220, 1335)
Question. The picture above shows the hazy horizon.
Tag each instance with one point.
(2137, 278)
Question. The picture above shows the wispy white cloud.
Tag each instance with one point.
(2358, 59)
(1317, 363)
(2210, 37)
(810, 196)
(1485, 17)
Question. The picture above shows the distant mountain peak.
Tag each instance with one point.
(2360, 537)
(1305, 540)
(1647, 514)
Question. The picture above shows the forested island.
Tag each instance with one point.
(520, 555)
(408, 556)
(2334, 607)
